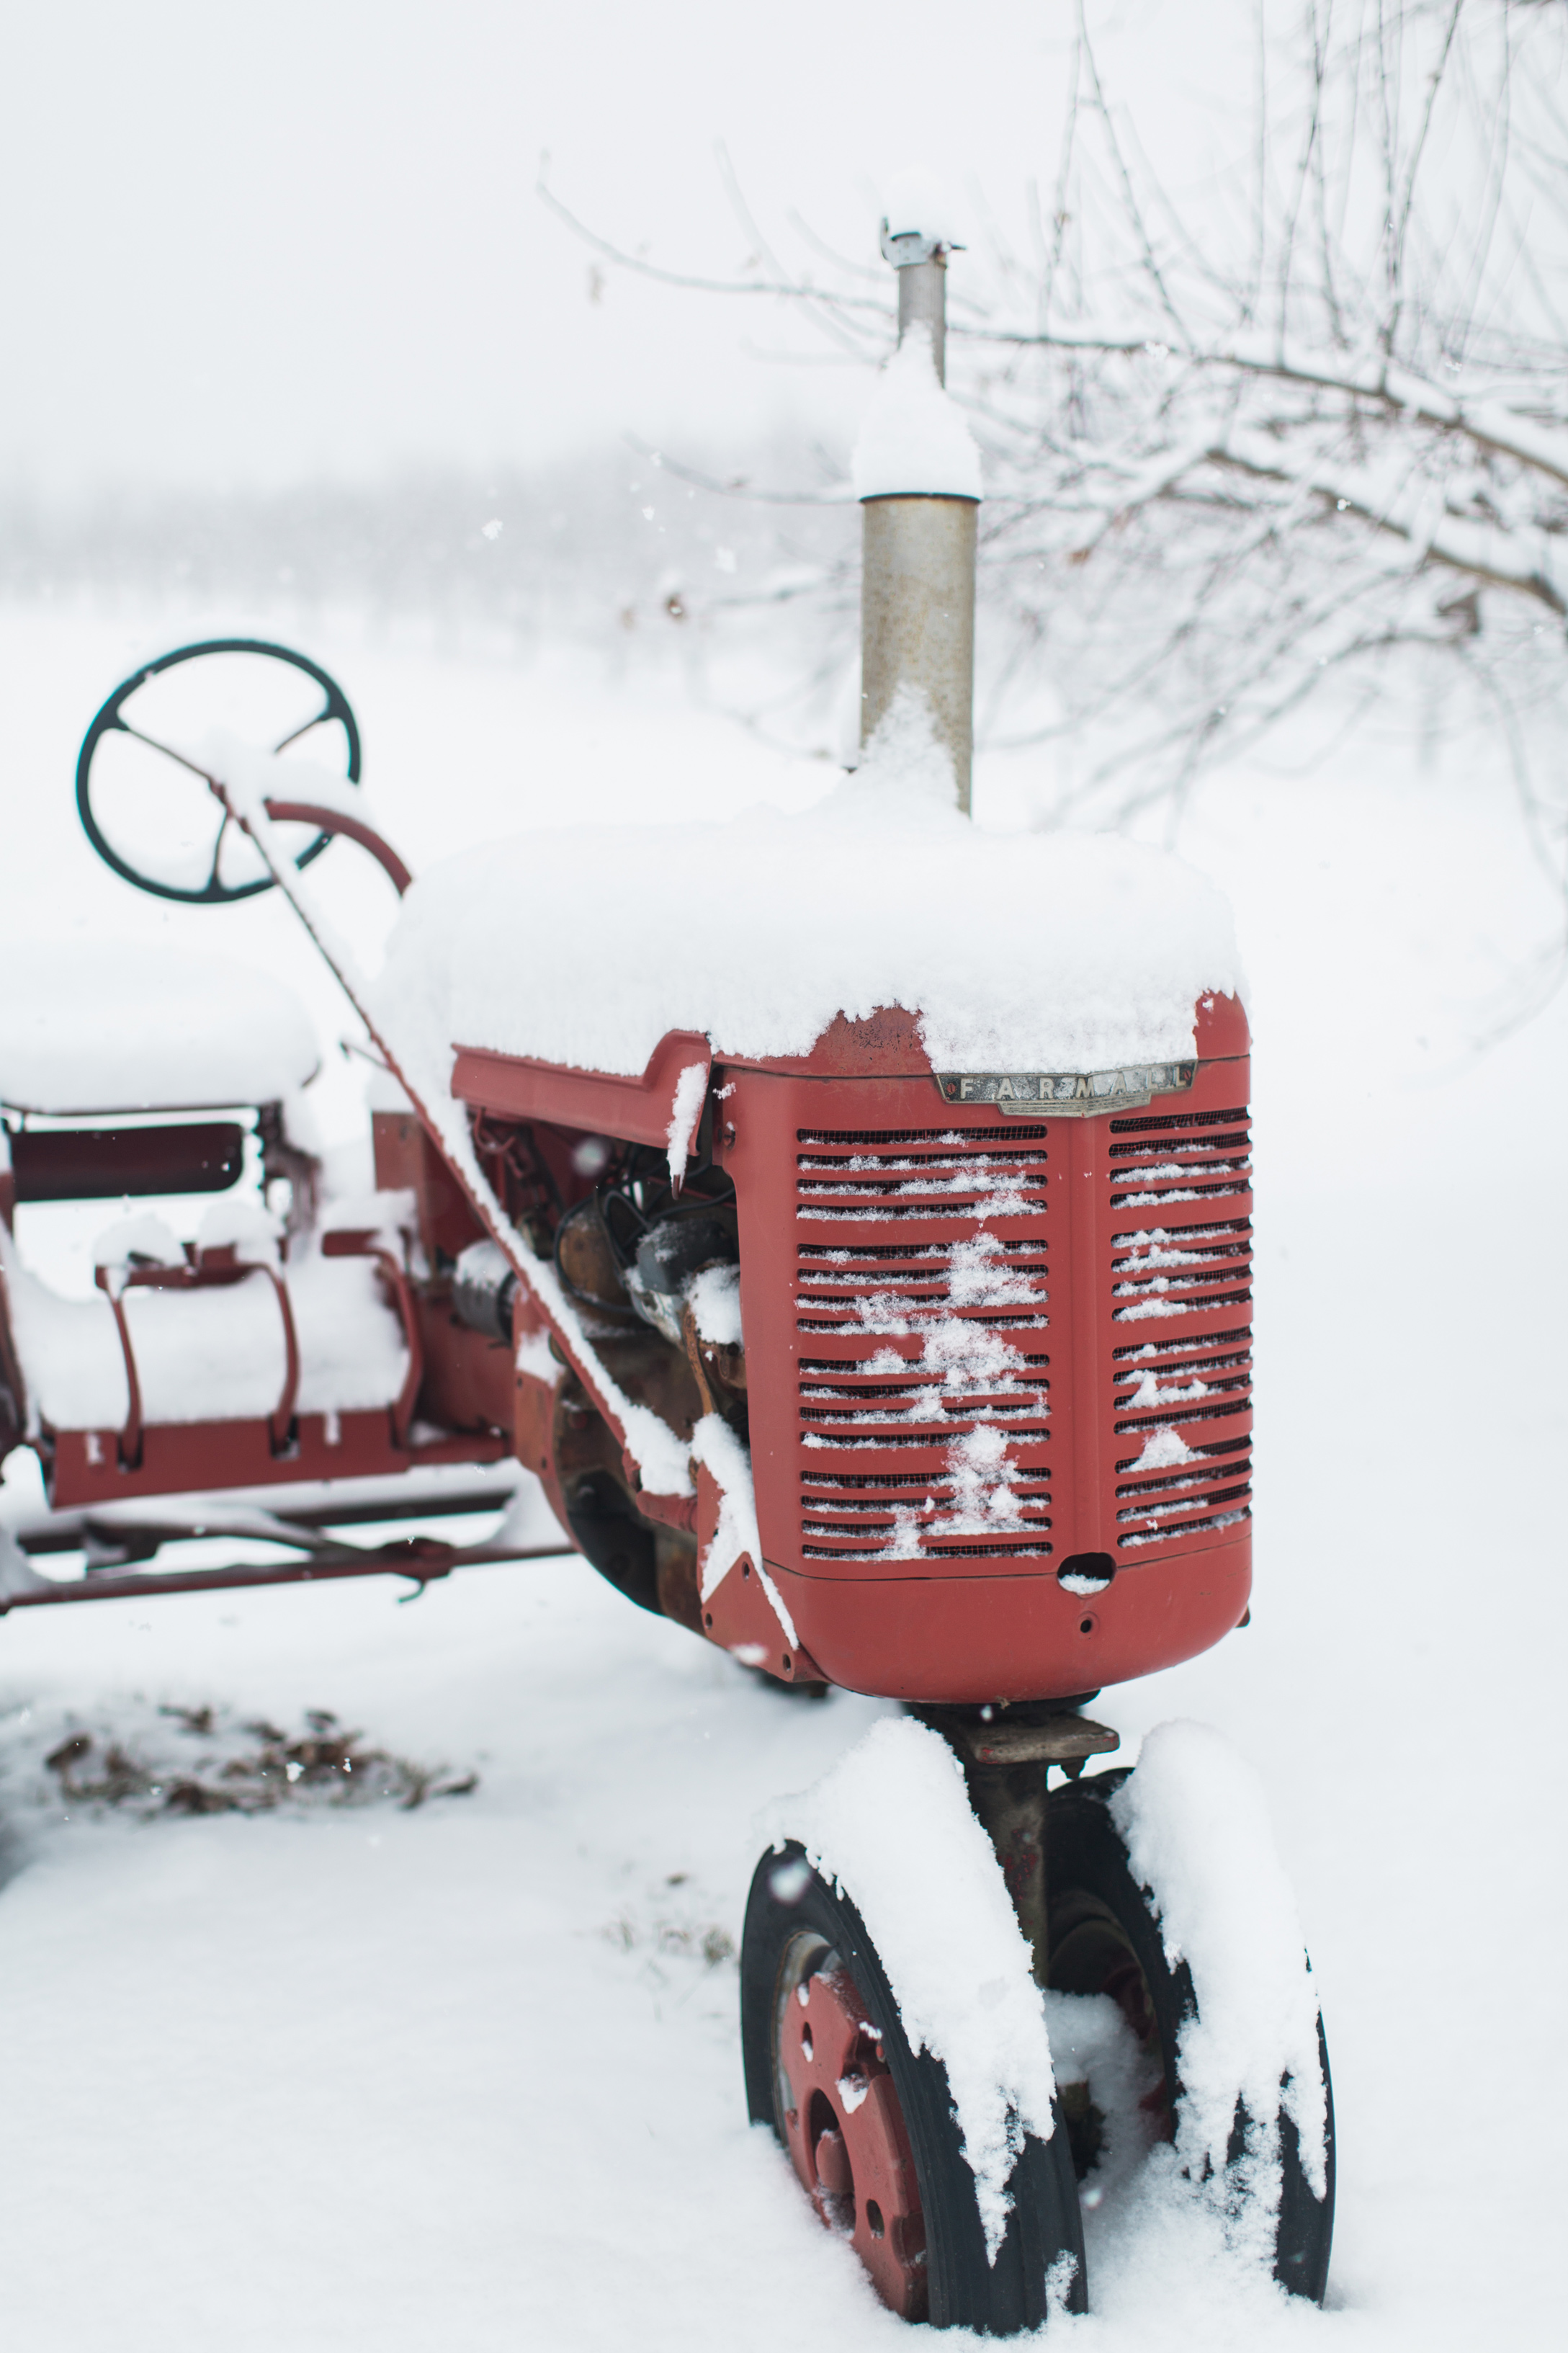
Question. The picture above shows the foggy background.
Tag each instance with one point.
(287, 323)
(247, 248)
(289, 347)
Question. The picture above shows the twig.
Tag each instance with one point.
(784, 287)
(737, 487)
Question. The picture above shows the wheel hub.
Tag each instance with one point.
(845, 2131)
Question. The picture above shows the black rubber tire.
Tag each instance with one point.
(1085, 1858)
(613, 1539)
(964, 2290)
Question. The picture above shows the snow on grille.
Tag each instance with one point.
(1181, 1198)
(920, 1303)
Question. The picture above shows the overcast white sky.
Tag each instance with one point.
(243, 243)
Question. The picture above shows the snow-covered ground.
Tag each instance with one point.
(367, 2078)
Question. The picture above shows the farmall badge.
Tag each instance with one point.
(1067, 1094)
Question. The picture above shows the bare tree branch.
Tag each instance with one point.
(1303, 428)
(793, 291)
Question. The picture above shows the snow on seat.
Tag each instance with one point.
(119, 1026)
(206, 1355)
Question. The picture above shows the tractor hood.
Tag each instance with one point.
(586, 946)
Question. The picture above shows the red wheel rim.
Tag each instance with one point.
(844, 2129)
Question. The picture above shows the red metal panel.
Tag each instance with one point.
(1103, 1264)
(968, 1638)
(885, 1045)
(636, 1109)
(406, 1156)
(192, 1457)
(468, 1378)
(1077, 1332)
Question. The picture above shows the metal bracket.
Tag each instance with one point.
(912, 245)
(1059, 1740)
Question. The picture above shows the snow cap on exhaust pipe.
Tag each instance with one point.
(917, 475)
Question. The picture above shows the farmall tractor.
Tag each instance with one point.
(856, 1250)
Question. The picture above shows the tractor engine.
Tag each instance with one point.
(987, 1341)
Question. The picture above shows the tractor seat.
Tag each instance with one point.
(93, 1027)
(204, 1355)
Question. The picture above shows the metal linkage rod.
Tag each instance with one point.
(421, 1558)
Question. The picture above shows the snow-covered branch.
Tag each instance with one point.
(1501, 559)
(1494, 427)
(1300, 421)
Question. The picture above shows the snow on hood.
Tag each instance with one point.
(584, 946)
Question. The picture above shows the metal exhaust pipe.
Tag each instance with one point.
(917, 579)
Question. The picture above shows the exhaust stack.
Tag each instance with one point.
(919, 481)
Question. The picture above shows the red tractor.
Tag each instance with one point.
(923, 1378)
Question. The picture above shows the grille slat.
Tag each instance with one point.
(1146, 1424)
(815, 1314)
(932, 1551)
(1187, 1480)
(1215, 1526)
(960, 1138)
(820, 1214)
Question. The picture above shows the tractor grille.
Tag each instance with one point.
(1181, 1309)
(921, 1288)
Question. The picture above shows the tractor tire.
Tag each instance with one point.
(884, 2167)
(1104, 1937)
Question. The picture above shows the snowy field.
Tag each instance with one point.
(384, 2080)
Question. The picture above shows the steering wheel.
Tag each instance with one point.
(146, 764)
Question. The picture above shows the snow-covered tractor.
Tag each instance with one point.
(855, 1246)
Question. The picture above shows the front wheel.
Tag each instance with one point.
(1105, 1940)
(868, 2126)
